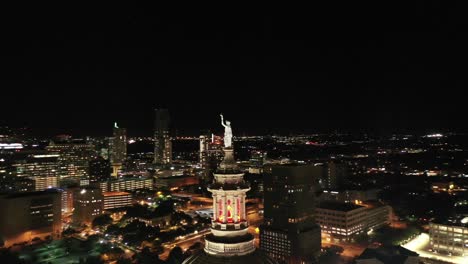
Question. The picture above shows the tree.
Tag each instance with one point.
(124, 261)
(69, 231)
(113, 230)
(102, 220)
(148, 257)
(93, 260)
(157, 246)
(176, 256)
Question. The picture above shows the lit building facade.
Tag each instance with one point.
(37, 166)
(343, 221)
(125, 184)
(67, 200)
(162, 139)
(45, 182)
(88, 203)
(211, 154)
(257, 159)
(289, 233)
(26, 216)
(42, 170)
(114, 200)
(118, 149)
(73, 158)
(450, 236)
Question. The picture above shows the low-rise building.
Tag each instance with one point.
(388, 255)
(342, 221)
(125, 184)
(450, 236)
(116, 200)
(31, 215)
(45, 182)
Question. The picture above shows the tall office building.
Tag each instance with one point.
(162, 139)
(74, 157)
(118, 149)
(211, 154)
(43, 169)
(26, 216)
(257, 159)
(289, 233)
(36, 165)
(99, 169)
(67, 199)
(335, 175)
(88, 203)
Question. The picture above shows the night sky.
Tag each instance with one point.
(324, 68)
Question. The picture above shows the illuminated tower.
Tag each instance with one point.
(118, 149)
(162, 139)
(229, 241)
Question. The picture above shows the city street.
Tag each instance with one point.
(184, 243)
(350, 250)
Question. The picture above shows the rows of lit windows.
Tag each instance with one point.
(276, 245)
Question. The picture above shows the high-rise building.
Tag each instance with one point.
(334, 176)
(162, 139)
(36, 165)
(257, 159)
(67, 200)
(289, 233)
(26, 216)
(118, 149)
(229, 241)
(99, 169)
(88, 203)
(74, 157)
(211, 154)
(43, 169)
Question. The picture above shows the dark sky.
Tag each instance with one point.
(336, 67)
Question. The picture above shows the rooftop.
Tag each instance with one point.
(388, 255)
(458, 220)
(115, 193)
(29, 194)
(337, 206)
